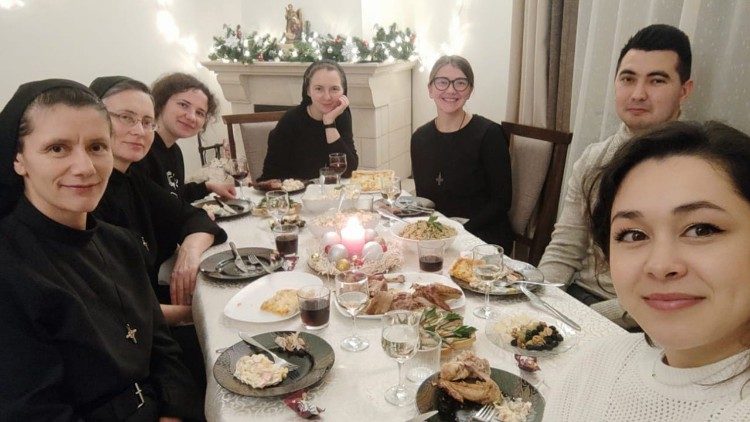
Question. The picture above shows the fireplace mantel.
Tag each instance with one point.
(379, 94)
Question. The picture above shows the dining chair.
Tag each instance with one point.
(208, 152)
(253, 131)
(537, 165)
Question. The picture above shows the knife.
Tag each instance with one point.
(238, 261)
(423, 416)
(538, 302)
(224, 206)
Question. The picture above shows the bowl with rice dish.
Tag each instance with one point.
(415, 230)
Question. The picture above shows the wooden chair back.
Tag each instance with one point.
(538, 164)
(254, 129)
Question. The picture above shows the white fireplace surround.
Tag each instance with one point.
(379, 94)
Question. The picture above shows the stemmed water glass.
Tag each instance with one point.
(488, 267)
(238, 169)
(390, 189)
(337, 161)
(352, 295)
(400, 340)
(277, 204)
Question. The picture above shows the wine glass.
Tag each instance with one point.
(277, 204)
(488, 267)
(352, 295)
(390, 188)
(400, 340)
(238, 169)
(337, 161)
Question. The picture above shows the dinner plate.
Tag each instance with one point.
(401, 206)
(430, 397)
(500, 323)
(528, 271)
(220, 266)
(290, 192)
(314, 364)
(245, 305)
(414, 278)
(242, 207)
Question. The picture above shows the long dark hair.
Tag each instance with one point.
(316, 66)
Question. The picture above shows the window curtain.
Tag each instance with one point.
(721, 61)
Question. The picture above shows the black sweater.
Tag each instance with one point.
(467, 174)
(66, 296)
(166, 167)
(159, 219)
(297, 146)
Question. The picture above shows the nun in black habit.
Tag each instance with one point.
(83, 335)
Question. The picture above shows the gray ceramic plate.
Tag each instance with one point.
(528, 271)
(430, 397)
(241, 206)
(220, 266)
(314, 364)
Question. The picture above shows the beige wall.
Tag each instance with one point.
(83, 39)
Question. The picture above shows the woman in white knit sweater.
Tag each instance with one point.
(673, 220)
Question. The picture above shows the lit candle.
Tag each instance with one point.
(353, 236)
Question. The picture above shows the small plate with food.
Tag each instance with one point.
(270, 298)
(467, 383)
(450, 327)
(371, 180)
(246, 370)
(415, 230)
(411, 291)
(291, 186)
(221, 266)
(462, 272)
(407, 206)
(240, 207)
(530, 334)
(260, 210)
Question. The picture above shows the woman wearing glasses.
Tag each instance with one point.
(159, 219)
(460, 160)
(184, 105)
(322, 124)
(83, 335)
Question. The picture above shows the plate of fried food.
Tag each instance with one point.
(291, 186)
(467, 383)
(409, 291)
(529, 334)
(246, 370)
(270, 298)
(462, 272)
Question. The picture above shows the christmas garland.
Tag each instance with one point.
(386, 45)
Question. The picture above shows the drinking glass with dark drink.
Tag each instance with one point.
(352, 295)
(314, 306)
(238, 169)
(431, 253)
(337, 161)
(328, 176)
(287, 239)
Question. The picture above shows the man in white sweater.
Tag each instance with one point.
(651, 82)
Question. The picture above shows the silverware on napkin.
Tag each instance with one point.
(423, 416)
(388, 214)
(238, 261)
(538, 302)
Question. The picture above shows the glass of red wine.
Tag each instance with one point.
(238, 169)
(431, 253)
(337, 161)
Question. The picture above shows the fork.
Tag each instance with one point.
(246, 337)
(485, 414)
(255, 261)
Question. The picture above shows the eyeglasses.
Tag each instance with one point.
(130, 120)
(459, 84)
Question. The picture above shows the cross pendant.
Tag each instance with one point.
(131, 334)
(439, 179)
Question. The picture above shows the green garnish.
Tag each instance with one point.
(432, 221)
(464, 331)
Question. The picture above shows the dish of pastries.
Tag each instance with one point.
(462, 272)
(371, 180)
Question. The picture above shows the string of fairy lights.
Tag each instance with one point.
(387, 45)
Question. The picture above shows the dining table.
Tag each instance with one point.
(354, 388)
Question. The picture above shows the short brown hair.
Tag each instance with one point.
(174, 83)
(457, 61)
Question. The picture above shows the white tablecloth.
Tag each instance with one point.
(353, 389)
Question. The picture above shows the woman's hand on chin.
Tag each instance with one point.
(331, 116)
